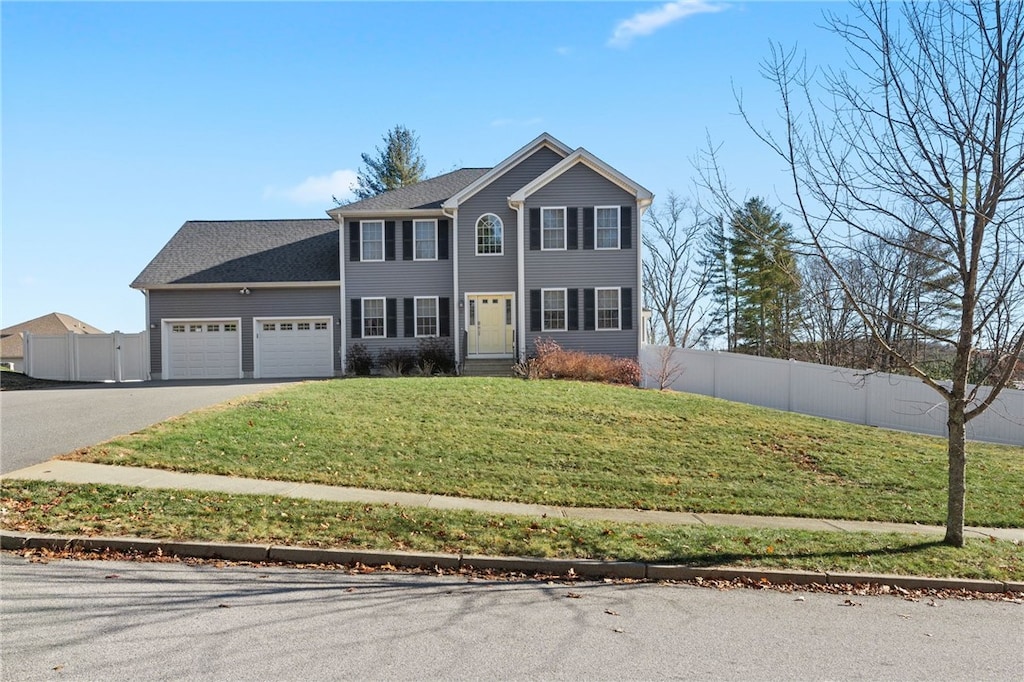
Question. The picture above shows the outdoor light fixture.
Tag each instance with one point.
(244, 291)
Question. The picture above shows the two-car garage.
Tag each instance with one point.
(281, 347)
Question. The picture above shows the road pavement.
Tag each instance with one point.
(129, 621)
(36, 425)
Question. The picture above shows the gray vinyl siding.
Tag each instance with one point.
(581, 187)
(490, 274)
(398, 279)
(228, 304)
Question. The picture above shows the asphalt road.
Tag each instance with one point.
(130, 621)
(36, 425)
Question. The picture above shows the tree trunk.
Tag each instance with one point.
(957, 453)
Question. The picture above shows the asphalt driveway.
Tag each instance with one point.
(39, 424)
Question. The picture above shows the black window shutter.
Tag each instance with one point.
(392, 320)
(406, 240)
(534, 229)
(572, 229)
(572, 297)
(626, 228)
(409, 308)
(353, 241)
(588, 227)
(357, 317)
(389, 240)
(442, 240)
(535, 312)
(444, 316)
(588, 310)
(627, 307)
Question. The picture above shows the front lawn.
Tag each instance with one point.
(576, 444)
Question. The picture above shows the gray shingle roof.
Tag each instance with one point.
(426, 194)
(212, 252)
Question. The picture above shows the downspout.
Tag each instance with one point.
(456, 300)
(342, 337)
(518, 206)
(148, 328)
(641, 207)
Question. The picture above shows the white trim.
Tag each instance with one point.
(436, 244)
(617, 228)
(257, 326)
(371, 213)
(597, 309)
(520, 277)
(383, 242)
(565, 310)
(565, 228)
(581, 155)
(252, 286)
(362, 317)
(453, 315)
(641, 208)
(476, 234)
(165, 325)
(416, 316)
(346, 314)
(542, 140)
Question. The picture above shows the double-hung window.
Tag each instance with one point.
(426, 316)
(552, 229)
(371, 240)
(374, 326)
(553, 310)
(606, 227)
(424, 239)
(489, 237)
(608, 308)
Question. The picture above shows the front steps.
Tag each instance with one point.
(490, 367)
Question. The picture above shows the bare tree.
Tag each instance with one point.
(928, 122)
(676, 279)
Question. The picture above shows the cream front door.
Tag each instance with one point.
(490, 330)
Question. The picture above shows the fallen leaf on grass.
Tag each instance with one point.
(223, 606)
(618, 630)
(850, 602)
(573, 595)
(112, 575)
(611, 613)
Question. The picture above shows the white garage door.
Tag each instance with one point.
(204, 349)
(301, 347)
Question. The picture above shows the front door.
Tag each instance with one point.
(490, 327)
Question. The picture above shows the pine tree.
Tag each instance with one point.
(397, 165)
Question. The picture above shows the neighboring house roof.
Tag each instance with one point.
(426, 195)
(12, 343)
(246, 251)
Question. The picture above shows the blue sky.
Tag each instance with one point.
(120, 121)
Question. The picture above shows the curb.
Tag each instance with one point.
(588, 568)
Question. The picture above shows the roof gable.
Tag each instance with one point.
(582, 156)
(542, 140)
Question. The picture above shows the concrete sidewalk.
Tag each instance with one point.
(83, 472)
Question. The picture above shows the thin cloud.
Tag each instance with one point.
(316, 189)
(646, 23)
(521, 122)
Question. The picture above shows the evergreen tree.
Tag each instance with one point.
(398, 164)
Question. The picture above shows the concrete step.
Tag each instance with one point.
(501, 367)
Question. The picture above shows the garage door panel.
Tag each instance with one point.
(204, 350)
(299, 347)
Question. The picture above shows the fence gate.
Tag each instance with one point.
(86, 357)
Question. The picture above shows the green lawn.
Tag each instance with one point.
(576, 444)
(35, 506)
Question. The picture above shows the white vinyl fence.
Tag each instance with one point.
(86, 357)
(887, 400)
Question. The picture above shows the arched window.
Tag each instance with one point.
(490, 238)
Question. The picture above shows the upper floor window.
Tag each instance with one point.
(606, 227)
(553, 310)
(552, 229)
(424, 239)
(607, 308)
(490, 239)
(371, 240)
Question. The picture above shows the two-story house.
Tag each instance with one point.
(544, 244)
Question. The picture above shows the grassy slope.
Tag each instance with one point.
(570, 443)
